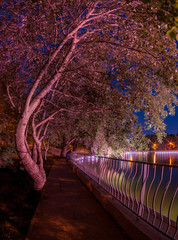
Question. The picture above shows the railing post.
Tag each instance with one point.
(99, 175)
(142, 194)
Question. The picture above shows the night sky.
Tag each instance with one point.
(172, 123)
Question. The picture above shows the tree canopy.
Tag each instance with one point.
(167, 12)
(103, 59)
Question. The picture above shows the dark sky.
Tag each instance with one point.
(171, 122)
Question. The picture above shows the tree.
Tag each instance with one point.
(58, 51)
(138, 141)
(167, 12)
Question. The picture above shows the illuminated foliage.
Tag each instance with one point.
(106, 59)
(167, 13)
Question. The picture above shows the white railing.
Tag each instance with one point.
(149, 190)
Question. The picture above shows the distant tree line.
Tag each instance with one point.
(170, 142)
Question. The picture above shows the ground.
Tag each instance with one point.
(18, 201)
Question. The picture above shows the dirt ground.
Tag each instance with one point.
(18, 201)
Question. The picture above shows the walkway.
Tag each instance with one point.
(68, 211)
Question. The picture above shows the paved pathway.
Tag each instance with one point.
(68, 211)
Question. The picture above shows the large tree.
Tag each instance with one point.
(56, 53)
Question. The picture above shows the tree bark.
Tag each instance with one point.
(75, 145)
(28, 148)
(46, 148)
(31, 167)
(35, 155)
(64, 148)
(40, 158)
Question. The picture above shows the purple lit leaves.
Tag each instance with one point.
(43, 30)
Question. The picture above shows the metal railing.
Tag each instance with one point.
(149, 190)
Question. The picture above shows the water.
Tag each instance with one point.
(125, 176)
(163, 157)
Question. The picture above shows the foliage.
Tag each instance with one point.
(138, 141)
(114, 145)
(7, 129)
(166, 12)
(8, 156)
(88, 64)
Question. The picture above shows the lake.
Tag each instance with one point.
(163, 157)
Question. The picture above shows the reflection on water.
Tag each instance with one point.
(154, 158)
(147, 183)
(126, 177)
(164, 157)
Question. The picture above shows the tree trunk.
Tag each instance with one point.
(64, 148)
(28, 148)
(64, 151)
(31, 167)
(46, 147)
(35, 155)
(40, 158)
(75, 145)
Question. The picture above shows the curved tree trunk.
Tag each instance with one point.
(64, 148)
(35, 155)
(26, 159)
(28, 148)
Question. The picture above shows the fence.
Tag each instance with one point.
(149, 190)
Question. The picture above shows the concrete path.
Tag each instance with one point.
(68, 211)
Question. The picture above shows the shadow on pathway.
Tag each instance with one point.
(68, 211)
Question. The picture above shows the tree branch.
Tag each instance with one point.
(46, 120)
(96, 110)
(122, 46)
(10, 98)
(45, 130)
(72, 34)
(71, 96)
